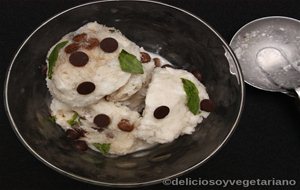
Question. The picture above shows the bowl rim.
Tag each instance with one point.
(238, 75)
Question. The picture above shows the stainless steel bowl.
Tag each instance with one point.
(177, 35)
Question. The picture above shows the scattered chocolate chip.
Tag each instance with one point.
(109, 135)
(79, 59)
(102, 120)
(72, 134)
(167, 65)
(157, 62)
(145, 57)
(80, 145)
(79, 37)
(125, 125)
(112, 30)
(198, 75)
(207, 105)
(85, 88)
(91, 43)
(161, 112)
(72, 47)
(109, 45)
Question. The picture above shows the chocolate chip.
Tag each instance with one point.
(79, 59)
(157, 62)
(72, 134)
(125, 125)
(161, 112)
(145, 57)
(109, 45)
(207, 105)
(92, 43)
(80, 145)
(198, 75)
(85, 88)
(167, 65)
(102, 120)
(79, 37)
(72, 47)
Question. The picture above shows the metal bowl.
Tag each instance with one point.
(177, 35)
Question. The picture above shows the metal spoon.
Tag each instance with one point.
(268, 50)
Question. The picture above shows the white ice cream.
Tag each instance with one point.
(121, 142)
(134, 84)
(121, 95)
(102, 69)
(166, 89)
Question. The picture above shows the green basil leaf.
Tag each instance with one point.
(74, 120)
(129, 63)
(192, 94)
(53, 57)
(103, 148)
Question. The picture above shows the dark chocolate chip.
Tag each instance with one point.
(109, 45)
(157, 62)
(161, 112)
(125, 125)
(79, 37)
(92, 43)
(102, 120)
(145, 57)
(207, 105)
(72, 47)
(80, 145)
(85, 88)
(198, 75)
(72, 134)
(79, 59)
(167, 65)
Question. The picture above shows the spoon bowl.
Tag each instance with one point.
(268, 51)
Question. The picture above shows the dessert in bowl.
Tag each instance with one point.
(169, 35)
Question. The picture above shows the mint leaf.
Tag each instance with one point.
(129, 63)
(192, 94)
(74, 120)
(103, 148)
(52, 118)
(53, 57)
